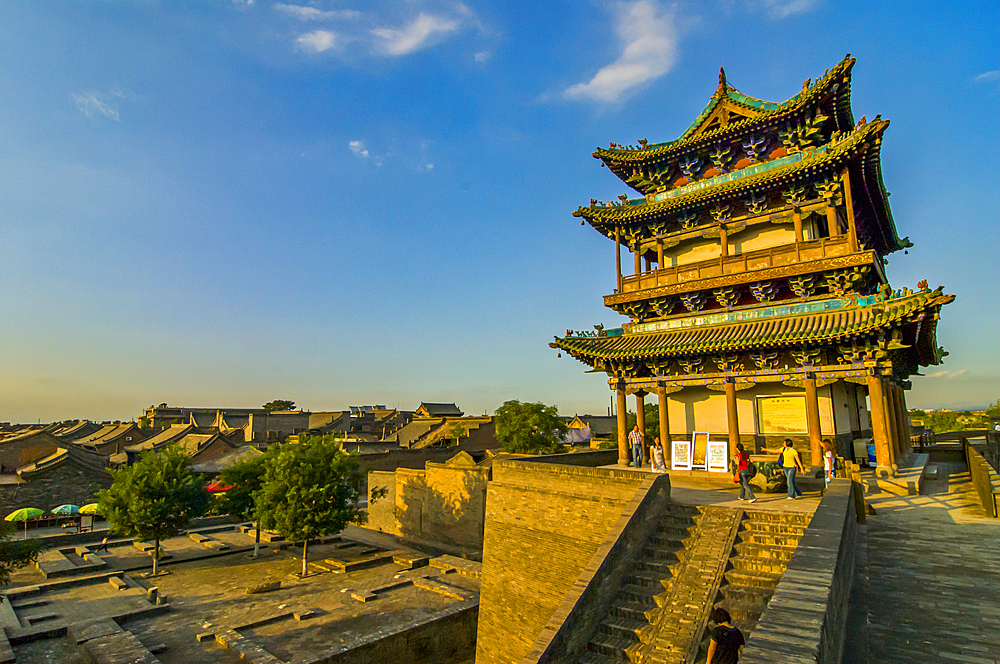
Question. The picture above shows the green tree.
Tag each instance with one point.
(154, 498)
(278, 404)
(14, 553)
(246, 477)
(652, 431)
(529, 428)
(309, 490)
(993, 410)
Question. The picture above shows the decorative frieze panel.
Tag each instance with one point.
(845, 281)
(693, 301)
(764, 291)
(727, 297)
(765, 360)
(691, 365)
(727, 363)
(807, 357)
(803, 286)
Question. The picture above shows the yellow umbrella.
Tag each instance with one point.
(90, 508)
(24, 514)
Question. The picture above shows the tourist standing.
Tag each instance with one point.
(828, 462)
(656, 457)
(790, 462)
(727, 641)
(635, 438)
(743, 470)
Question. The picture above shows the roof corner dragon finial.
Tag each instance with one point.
(722, 81)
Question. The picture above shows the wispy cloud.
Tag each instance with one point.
(359, 150)
(418, 34)
(785, 8)
(947, 374)
(483, 56)
(94, 103)
(318, 41)
(650, 51)
(304, 13)
(988, 76)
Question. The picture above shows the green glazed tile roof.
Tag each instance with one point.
(814, 328)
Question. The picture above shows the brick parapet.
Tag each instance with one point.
(544, 523)
(805, 619)
(565, 636)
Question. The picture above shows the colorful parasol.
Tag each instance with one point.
(24, 514)
(66, 509)
(90, 508)
(218, 487)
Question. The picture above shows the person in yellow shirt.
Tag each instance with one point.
(790, 462)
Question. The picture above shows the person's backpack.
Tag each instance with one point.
(753, 469)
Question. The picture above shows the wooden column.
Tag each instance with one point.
(812, 422)
(664, 425)
(637, 254)
(831, 218)
(724, 241)
(905, 414)
(883, 445)
(797, 223)
(904, 420)
(852, 229)
(891, 423)
(659, 255)
(622, 431)
(618, 258)
(733, 417)
(640, 420)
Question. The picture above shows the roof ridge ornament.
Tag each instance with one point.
(721, 90)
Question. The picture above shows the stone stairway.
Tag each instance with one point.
(652, 578)
(764, 545)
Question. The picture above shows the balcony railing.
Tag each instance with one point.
(788, 254)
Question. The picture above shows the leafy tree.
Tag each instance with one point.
(652, 411)
(154, 498)
(529, 428)
(309, 490)
(246, 477)
(278, 404)
(15, 554)
(993, 410)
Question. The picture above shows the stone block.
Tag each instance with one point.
(118, 583)
(151, 594)
(205, 636)
(157, 649)
(40, 617)
(363, 596)
(305, 614)
(931, 472)
(263, 588)
(199, 538)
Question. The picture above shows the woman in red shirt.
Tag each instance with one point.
(743, 469)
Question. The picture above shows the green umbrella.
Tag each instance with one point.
(90, 508)
(66, 509)
(24, 514)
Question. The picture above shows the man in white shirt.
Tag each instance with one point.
(635, 439)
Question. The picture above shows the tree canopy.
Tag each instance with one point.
(154, 498)
(309, 490)
(246, 477)
(15, 554)
(529, 428)
(278, 404)
(652, 422)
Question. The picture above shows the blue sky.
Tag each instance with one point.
(344, 202)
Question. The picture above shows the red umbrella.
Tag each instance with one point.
(218, 487)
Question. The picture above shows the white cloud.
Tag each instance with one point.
(93, 103)
(988, 76)
(785, 8)
(650, 51)
(312, 14)
(318, 41)
(359, 150)
(483, 56)
(416, 35)
(947, 374)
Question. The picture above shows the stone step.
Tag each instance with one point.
(669, 538)
(742, 610)
(753, 578)
(768, 539)
(777, 552)
(610, 646)
(622, 628)
(633, 593)
(783, 517)
(758, 565)
(630, 609)
(646, 579)
(774, 528)
(591, 657)
(747, 594)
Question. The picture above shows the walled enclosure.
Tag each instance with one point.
(544, 522)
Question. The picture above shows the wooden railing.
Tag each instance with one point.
(984, 478)
(786, 254)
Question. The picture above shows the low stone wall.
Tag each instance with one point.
(587, 459)
(984, 479)
(565, 637)
(805, 619)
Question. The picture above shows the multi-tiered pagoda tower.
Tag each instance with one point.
(758, 299)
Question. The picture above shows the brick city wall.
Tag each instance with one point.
(565, 637)
(544, 523)
(811, 597)
(382, 513)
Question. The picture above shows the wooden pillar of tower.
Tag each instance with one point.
(637, 254)
(659, 255)
(891, 424)
(812, 422)
(883, 446)
(852, 229)
(732, 415)
(903, 419)
(622, 431)
(905, 415)
(797, 223)
(640, 421)
(724, 240)
(832, 225)
(664, 426)
(618, 258)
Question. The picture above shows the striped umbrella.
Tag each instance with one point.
(66, 509)
(24, 514)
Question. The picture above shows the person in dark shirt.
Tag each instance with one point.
(727, 641)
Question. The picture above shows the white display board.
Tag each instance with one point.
(718, 456)
(681, 455)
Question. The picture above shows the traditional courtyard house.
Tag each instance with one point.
(200, 445)
(758, 304)
(22, 449)
(112, 438)
(438, 410)
(68, 474)
(70, 431)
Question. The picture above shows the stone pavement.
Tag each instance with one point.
(929, 586)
